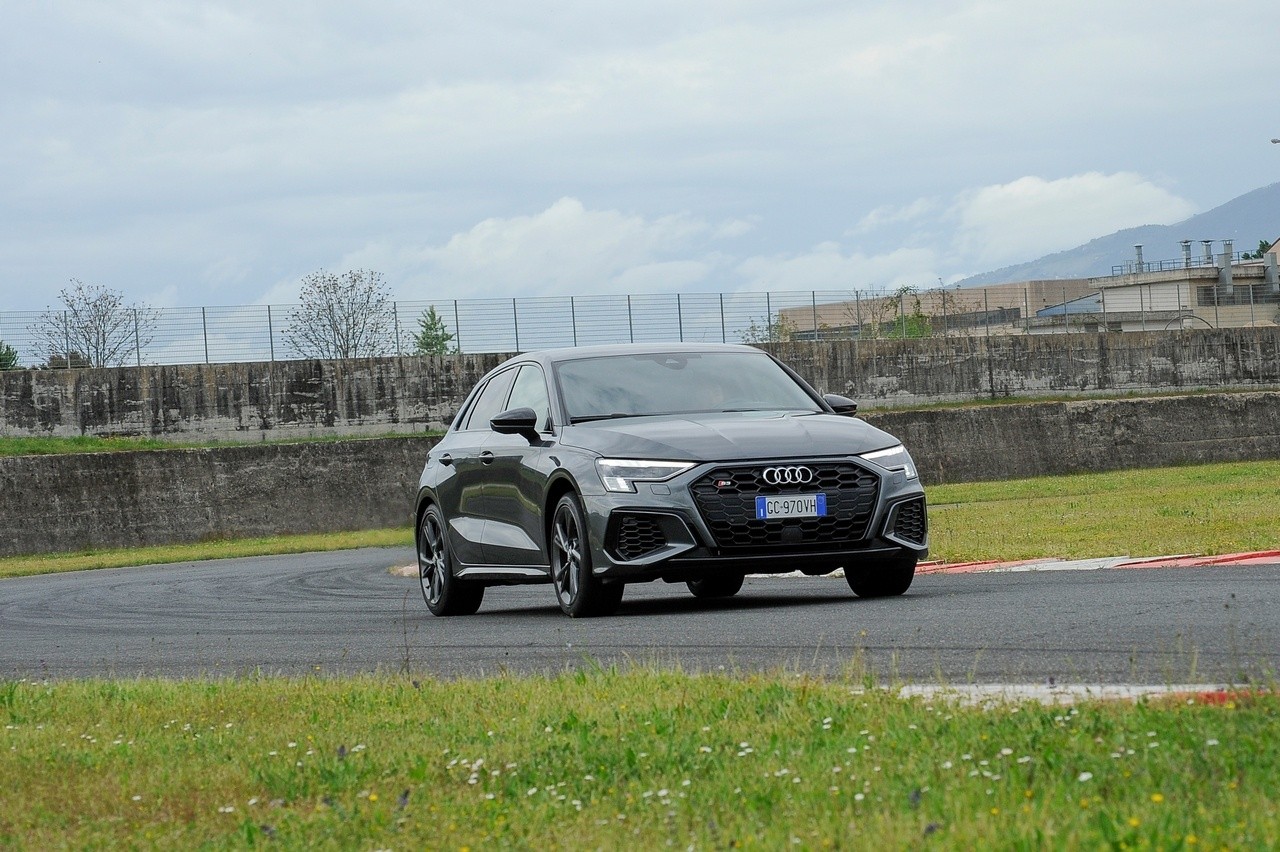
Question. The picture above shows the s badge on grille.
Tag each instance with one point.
(723, 483)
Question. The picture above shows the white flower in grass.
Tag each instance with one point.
(1026, 758)
(1006, 751)
(1211, 742)
(1084, 776)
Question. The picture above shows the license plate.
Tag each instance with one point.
(791, 506)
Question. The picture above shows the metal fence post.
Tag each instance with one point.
(457, 328)
(986, 313)
(723, 338)
(137, 345)
(679, 318)
(271, 335)
(631, 329)
(768, 315)
(204, 328)
(813, 299)
(515, 321)
(573, 320)
(395, 318)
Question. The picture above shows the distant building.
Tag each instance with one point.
(1196, 291)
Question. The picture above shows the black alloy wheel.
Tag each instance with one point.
(881, 577)
(444, 593)
(579, 592)
(724, 586)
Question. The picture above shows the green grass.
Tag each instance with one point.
(21, 566)
(640, 759)
(1207, 509)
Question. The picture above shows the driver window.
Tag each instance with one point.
(530, 391)
(491, 401)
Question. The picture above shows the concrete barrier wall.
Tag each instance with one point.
(65, 503)
(385, 395)
(51, 504)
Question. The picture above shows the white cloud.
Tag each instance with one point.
(1017, 221)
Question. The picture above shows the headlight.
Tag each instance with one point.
(623, 474)
(894, 458)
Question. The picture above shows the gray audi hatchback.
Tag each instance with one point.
(594, 467)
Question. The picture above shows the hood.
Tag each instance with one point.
(728, 437)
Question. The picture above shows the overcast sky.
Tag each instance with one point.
(212, 153)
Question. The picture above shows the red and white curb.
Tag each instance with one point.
(1189, 560)
(995, 694)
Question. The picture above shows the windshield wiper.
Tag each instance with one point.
(617, 415)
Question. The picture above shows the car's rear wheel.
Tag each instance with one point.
(579, 592)
(444, 593)
(882, 577)
(723, 586)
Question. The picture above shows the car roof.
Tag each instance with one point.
(573, 353)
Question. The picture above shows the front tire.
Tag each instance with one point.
(724, 586)
(444, 593)
(883, 577)
(579, 592)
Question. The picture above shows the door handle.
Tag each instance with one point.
(446, 460)
(486, 457)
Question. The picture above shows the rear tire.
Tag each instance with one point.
(883, 577)
(579, 592)
(723, 586)
(444, 593)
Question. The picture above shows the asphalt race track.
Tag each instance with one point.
(346, 613)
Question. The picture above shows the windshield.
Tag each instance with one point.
(677, 383)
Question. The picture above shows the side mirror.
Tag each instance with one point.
(517, 421)
(841, 404)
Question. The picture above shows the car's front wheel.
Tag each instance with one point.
(724, 586)
(882, 577)
(579, 592)
(444, 593)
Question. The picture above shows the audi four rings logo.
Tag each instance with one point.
(788, 475)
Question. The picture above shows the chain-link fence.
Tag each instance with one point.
(262, 332)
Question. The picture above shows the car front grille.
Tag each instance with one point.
(638, 535)
(726, 498)
(912, 523)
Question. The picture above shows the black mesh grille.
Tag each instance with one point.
(638, 535)
(912, 523)
(726, 497)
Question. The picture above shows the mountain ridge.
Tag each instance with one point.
(1245, 219)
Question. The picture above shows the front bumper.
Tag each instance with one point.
(674, 531)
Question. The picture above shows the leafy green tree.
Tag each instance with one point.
(95, 327)
(343, 316)
(8, 357)
(1260, 254)
(433, 337)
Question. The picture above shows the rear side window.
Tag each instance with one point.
(491, 402)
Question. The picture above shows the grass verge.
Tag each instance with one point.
(1204, 509)
(1209, 509)
(21, 566)
(607, 759)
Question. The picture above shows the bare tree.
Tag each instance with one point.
(95, 329)
(343, 316)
